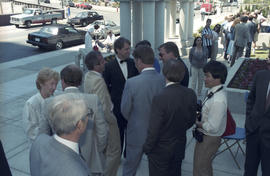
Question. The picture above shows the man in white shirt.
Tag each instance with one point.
(59, 155)
(213, 120)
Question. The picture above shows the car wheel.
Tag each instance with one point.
(59, 45)
(84, 23)
(28, 24)
(16, 25)
(54, 21)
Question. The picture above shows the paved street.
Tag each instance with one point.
(17, 84)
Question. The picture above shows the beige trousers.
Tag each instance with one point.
(203, 154)
(197, 78)
(113, 151)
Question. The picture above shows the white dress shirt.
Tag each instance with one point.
(70, 87)
(70, 144)
(123, 67)
(214, 113)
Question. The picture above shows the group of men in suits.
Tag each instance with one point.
(118, 100)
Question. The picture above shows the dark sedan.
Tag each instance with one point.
(56, 37)
(85, 18)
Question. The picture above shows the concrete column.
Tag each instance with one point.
(136, 23)
(149, 21)
(125, 19)
(190, 24)
(183, 25)
(159, 25)
(172, 18)
(167, 19)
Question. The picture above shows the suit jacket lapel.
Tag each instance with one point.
(118, 69)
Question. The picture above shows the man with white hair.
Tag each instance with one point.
(59, 155)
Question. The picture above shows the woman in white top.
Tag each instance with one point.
(214, 116)
(214, 46)
(46, 83)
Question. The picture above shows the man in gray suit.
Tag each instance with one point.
(94, 141)
(136, 105)
(252, 30)
(59, 155)
(258, 124)
(240, 39)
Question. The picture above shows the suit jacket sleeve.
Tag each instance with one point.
(105, 99)
(192, 112)
(156, 120)
(101, 127)
(107, 77)
(30, 121)
(126, 102)
(251, 97)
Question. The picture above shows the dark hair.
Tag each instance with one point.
(174, 70)
(119, 43)
(217, 69)
(96, 26)
(144, 53)
(244, 19)
(72, 75)
(250, 17)
(143, 42)
(209, 20)
(91, 59)
(195, 40)
(170, 47)
(217, 27)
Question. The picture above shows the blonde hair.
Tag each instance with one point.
(46, 74)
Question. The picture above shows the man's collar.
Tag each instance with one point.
(70, 87)
(148, 68)
(214, 89)
(97, 73)
(171, 83)
(70, 144)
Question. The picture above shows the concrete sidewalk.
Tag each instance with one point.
(17, 84)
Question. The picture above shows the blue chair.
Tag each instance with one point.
(240, 135)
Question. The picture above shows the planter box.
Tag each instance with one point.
(239, 82)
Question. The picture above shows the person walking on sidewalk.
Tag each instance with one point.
(257, 124)
(214, 48)
(207, 36)
(252, 30)
(240, 39)
(197, 58)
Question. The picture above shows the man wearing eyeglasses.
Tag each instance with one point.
(93, 141)
(169, 50)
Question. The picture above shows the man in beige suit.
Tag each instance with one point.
(95, 84)
(93, 142)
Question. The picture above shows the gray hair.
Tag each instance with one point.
(65, 111)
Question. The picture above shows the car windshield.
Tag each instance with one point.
(28, 11)
(99, 22)
(79, 15)
(50, 30)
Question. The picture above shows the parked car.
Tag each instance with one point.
(56, 36)
(47, 1)
(197, 5)
(85, 18)
(209, 9)
(36, 15)
(104, 27)
(84, 5)
(234, 4)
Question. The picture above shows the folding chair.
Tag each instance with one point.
(239, 135)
